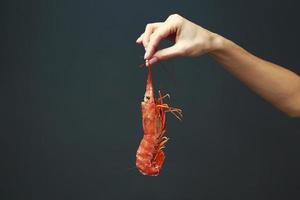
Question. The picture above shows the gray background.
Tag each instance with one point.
(71, 88)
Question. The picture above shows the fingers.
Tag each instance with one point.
(144, 38)
(156, 32)
(159, 34)
(140, 39)
(165, 54)
(148, 31)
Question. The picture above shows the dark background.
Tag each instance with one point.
(71, 88)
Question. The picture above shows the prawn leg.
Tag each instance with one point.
(175, 111)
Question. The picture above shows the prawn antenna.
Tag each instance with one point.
(142, 65)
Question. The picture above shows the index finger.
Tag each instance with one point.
(160, 33)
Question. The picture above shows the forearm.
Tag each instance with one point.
(274, 83)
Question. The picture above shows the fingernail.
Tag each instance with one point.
(147, 63)
(146, 55)
(138, 40)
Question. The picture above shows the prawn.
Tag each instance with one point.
(150, 156)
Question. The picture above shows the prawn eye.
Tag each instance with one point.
(147, 97)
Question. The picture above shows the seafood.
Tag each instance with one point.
(150, 156)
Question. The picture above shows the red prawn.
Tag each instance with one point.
(150, 156)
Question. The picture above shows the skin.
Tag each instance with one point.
(274, 83)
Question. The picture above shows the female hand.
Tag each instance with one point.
(189, 39)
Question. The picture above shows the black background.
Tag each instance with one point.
(71, 88)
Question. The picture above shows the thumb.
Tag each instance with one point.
(165, 54)
(159, 34)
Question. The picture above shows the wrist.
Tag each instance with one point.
(217, 43)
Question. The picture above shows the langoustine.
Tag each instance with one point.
(150, 156)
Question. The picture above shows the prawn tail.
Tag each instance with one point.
(159, 160)
(148, 160)
(153, 168)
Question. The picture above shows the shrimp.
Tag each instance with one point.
(150, 156)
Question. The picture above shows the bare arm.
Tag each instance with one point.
(274, 83)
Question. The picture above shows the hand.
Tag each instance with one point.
(189, 39)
